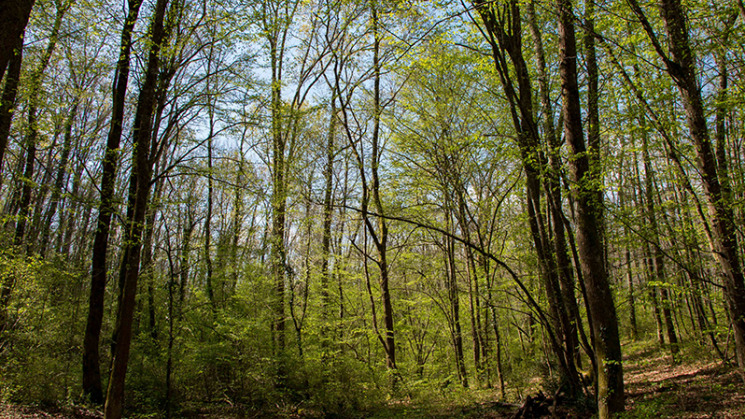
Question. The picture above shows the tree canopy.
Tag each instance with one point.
(334, 203)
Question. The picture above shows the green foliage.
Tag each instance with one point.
(40, 356)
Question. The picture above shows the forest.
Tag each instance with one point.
(351, 208)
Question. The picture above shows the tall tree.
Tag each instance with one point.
(138, 198)
(588, 201)
(92, 387)
(680, 64)
(503, 31)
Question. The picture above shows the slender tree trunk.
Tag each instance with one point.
(589, 238)
(208, 217)
(681, 66)
(139, 192)
(382, 242)
(328, 177)
(92, 387)
(279, 205)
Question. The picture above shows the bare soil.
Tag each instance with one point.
(656, 387)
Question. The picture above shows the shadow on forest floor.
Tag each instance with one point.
(657, 388)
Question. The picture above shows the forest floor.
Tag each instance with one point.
(655, 388)
(696, 388)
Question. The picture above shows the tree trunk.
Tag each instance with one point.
(14, 17)
(382, 239)
(92, 387)
(328, 177)
(607, 349)
(681, 67)
(139, 192)
(8, 101)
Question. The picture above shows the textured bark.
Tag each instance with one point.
(587, 218)
(92, 387)
(681, 66)
(138, 199)
(505, 36)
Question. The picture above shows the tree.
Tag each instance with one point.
(680, 65)
(138, 198)
(92, 387)
(503, 32)
(588, 201)
(14, 18)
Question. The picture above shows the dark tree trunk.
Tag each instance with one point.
(8, 103)
(607, 349)
(92, 387)
(14, 17)
(382, 243)
(138, 198)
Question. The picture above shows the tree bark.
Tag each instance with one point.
(92, 387)
(14, 17)
(8, 103)
(138, 199)
(610, 395)
(681, 66)
(382, 242)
